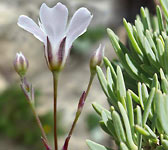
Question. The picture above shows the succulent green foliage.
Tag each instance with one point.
(164, 4)
(138, 118)
(129, 82)
(147, 50)
(135, 121)
(95, 146)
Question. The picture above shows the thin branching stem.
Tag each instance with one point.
(39, 123)
(89, 85)
(77, 114)
(30, 101)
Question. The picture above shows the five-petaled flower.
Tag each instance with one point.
(54, 32)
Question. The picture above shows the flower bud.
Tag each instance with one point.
(96, 58)
(81, 102)
(21, 64)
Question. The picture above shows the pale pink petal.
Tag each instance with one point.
(29, 25)
(78, 25)
(100, 51)
(54, 21)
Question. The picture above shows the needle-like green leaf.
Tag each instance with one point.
(123, 146)
(102, 80)
(118, 127)
(94, 146)
(148, 107)
(127, 127)
(160, 19)
(98, 108)
(131, 37)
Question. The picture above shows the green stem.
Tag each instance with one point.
(87, 92)
(30, 101)
(89, 85)
(55, 84)
(73, 125)
(78, 112)
(39, 123)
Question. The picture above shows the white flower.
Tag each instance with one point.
(54, 32)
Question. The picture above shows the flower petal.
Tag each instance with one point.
(78, 25)
(54, 21)
(29, 25)
(100, 51)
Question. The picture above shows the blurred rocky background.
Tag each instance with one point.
(16, 124)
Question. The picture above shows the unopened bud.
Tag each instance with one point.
(97, 58)
(20, 64)
(81, 101)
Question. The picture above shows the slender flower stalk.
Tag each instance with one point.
(95, 60)
(29, 93)
(89, 84)
(55, 86)
(39, 123)
(21, 67)
(78, 112)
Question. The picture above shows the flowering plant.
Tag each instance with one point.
(137, 119)
(57, 38)
(138, 99)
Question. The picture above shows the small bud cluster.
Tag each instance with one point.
(21, 65)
